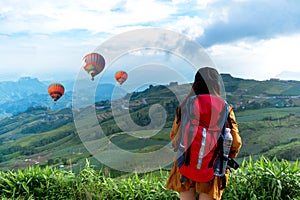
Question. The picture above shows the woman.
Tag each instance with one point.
(207, 81)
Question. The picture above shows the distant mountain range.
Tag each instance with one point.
(267, 113)
(17, 96)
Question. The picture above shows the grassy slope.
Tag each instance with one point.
(266, 130)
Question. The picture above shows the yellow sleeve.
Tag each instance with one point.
(174, 135)
(236, 138)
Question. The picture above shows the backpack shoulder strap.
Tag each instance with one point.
(219, 148)
(228, 118)
(183, 152)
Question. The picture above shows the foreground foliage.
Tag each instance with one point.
(265, 179)
(262, 179)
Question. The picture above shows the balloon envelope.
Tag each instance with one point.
(56, 90)
(93, 64)
(121, 77)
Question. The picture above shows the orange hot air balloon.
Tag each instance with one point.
(121, 77)
(56, 90)
(93, 64)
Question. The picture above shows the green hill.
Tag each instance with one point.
(267, 113)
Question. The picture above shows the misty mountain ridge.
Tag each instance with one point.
(18, 96)
(25, 86)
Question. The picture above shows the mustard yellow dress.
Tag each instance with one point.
(211, 188)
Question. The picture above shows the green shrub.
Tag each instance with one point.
(262, 179)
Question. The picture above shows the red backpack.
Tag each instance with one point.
(202, 122)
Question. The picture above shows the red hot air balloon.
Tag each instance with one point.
(56, 90)
(121, 77)
(93, 64)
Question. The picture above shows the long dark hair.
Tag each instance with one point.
(206, 81)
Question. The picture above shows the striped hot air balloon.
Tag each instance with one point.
(56, 90)
(121, 77)
(93, 64)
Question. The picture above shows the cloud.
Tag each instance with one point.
(58, 33)
(39, 37)
(259, 60)
(190, 26)
(289, 75)
(95, 16)
(250, 19)
(41, 56)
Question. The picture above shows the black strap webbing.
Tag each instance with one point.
(223, 182)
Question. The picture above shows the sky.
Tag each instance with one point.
(251, 39)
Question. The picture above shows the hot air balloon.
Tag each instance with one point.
(56, 90)
(93, 64)
(121, 77)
